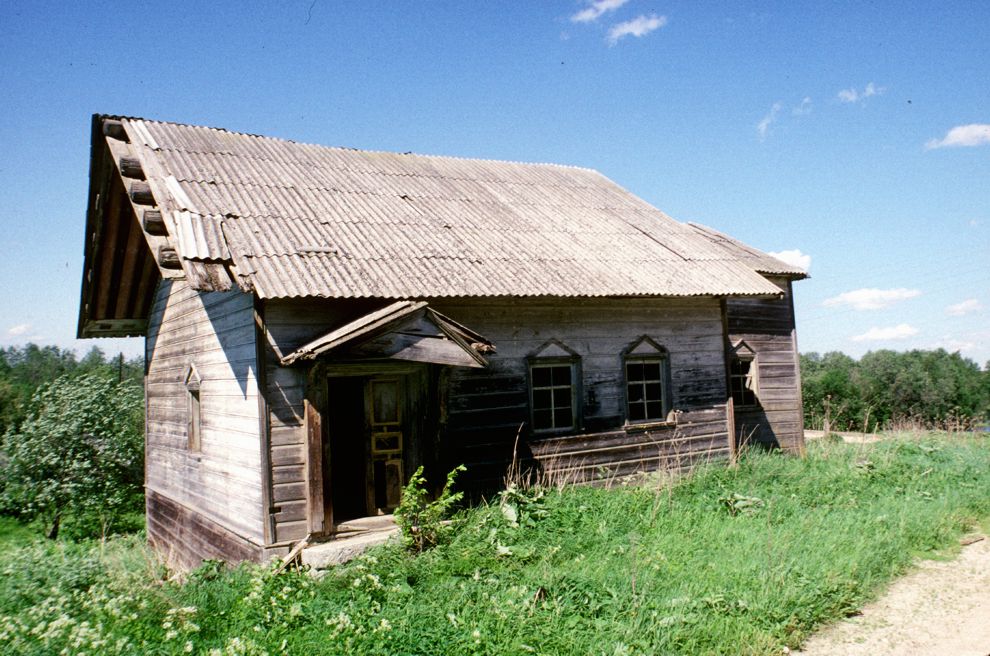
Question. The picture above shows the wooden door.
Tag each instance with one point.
(384, 412)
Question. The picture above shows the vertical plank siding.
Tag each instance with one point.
(768, 327)
(206, 503)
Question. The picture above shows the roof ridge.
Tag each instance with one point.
(116, 117)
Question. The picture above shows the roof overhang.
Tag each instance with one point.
(120, 272)
(405, 330)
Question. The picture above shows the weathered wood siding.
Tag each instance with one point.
(487, 408)
(484, 408)
(194, 494)
(699, 435)
(767, 326)
(288, 325)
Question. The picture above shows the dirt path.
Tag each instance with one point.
(942, 609)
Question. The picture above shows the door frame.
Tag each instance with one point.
(416, 384)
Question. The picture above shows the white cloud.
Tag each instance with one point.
(803, 109)
(18, 330)
(952, 345)
(794, 258)
(900, 331)
(974, 134)
(763, 127)
(595, 9)
(852, 95)
(872, 299)
(639, 26)
(967, 306)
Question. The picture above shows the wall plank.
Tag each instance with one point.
(216, 490)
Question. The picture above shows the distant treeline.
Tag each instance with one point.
(23, 369)
(887, 389)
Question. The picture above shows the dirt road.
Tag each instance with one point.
(942, 609)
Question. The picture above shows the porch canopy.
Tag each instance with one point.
(405, 330)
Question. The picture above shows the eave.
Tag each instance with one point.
(120, 271)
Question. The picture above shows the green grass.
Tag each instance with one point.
(14, 534)
(729, 561)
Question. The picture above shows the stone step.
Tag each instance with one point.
(345, 548)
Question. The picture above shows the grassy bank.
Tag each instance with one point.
(728, 561)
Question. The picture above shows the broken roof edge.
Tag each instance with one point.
(392, 317)
(364, 325)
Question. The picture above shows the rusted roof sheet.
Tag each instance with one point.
(758, 260)
(298, 220)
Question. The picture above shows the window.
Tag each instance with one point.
(194, 420)
(647, 375)
(194, 430)
(742, 381)
(644, 389)
(553, 392)
(554, 380)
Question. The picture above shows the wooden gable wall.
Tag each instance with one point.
(205, 503)
(767, 327)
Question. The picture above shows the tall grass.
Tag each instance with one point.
(726, 561)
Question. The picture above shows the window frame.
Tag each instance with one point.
(194, 409)
(659, 355)
(572, 360)
(753, 373)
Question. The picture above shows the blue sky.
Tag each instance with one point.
(857, 134)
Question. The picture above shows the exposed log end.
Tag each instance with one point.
(153, 222)
(141, 193)
(130, 167)
(115, 130)
(168, 258)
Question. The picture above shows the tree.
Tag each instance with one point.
(830, 386)
(930, 388)
(77, 458)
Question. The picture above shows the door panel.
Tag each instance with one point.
(384, 404)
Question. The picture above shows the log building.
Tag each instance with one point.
(321, 321)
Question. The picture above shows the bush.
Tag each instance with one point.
(77, 459)
(421, 520)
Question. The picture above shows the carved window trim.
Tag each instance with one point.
(194, 428)
(646, 365)
(545, 405)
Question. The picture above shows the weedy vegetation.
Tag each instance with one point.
(741, 560)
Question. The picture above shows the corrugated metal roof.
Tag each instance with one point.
(298, 220)
(758, 260)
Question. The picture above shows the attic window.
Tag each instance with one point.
(194, 430)
(554, 377)
(647, 370)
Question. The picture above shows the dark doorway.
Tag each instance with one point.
(348, 442)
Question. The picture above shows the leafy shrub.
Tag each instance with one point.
(78, 456)
(421, 520)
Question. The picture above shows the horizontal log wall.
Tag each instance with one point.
(186, 537)
(221, 484)
(767, 327)
(289, 325)
(487, 408)
(699, 435)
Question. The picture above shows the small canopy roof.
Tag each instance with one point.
(405, 330)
